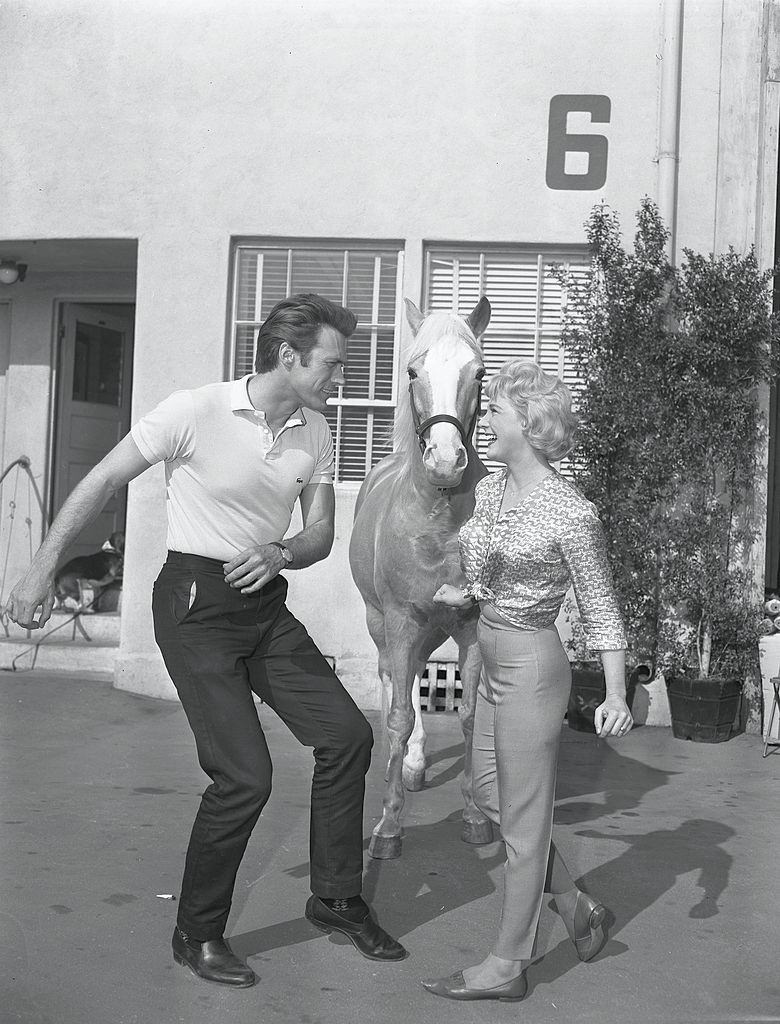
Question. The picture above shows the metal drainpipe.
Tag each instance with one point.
(669, 117)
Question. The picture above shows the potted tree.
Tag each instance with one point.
(725, 352)
(671, 363)
(615, 332)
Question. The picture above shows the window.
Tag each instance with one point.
(363, 276)
(527, 301)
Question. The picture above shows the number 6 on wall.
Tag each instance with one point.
(560, 142)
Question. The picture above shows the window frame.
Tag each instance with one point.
(289, 244)
(545, 253)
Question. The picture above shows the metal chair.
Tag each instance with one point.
(775, 681)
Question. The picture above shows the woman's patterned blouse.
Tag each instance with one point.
(524, 560)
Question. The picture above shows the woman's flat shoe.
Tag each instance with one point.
(454, 987)
(586, 931)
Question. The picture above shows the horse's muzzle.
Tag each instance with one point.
(445, 465)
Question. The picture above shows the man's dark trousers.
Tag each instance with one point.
(219, 645)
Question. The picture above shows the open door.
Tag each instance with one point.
(93, 407)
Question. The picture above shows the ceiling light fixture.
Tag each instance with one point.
(11, 271)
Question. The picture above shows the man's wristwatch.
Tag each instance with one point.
(287, 555)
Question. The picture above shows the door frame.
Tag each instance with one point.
(768, 251)
(6, 303)
(58, 324)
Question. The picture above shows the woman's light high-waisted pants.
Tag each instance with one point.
(521, 700)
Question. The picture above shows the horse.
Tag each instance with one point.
(404, 545)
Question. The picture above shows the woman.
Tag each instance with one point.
(531, 536)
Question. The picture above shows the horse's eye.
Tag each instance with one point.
(412, 374)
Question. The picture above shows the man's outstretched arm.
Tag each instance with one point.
(36, 588)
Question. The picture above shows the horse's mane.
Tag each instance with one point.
(434, 327)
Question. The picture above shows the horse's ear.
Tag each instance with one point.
(413, 315)
(479, 317)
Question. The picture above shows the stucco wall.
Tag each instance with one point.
(186, 123)
(352, 119)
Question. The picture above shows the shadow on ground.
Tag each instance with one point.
(437, 873)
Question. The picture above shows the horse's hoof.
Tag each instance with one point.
(477, 832)
(384, 847)
(414, 779)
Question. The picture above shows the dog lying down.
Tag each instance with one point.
(74, 581)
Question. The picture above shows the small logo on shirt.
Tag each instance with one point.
(298, 480)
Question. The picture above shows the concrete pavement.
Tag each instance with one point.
(97, 794)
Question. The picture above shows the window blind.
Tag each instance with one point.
(526, 299)
(365, 278)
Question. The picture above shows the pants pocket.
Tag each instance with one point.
(183, 595)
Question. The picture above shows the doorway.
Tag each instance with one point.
(93, 396)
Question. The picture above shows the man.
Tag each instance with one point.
(237, 457)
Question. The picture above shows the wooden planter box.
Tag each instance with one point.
(704, 710)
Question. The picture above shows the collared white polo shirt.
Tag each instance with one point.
(229, 483)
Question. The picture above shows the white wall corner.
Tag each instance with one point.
(143, 674)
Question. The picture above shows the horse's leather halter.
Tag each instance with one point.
(421, 427)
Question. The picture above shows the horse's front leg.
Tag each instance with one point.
(413, 772)
(386, 839)
(414, 760)
(477, 829)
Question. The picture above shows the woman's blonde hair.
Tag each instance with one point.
(543, 402)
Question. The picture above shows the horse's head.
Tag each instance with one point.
(445, 372)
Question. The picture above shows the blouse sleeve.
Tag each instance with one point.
(584, 551)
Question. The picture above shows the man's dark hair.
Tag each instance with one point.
(298, 321)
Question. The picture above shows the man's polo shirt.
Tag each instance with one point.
(229, 483)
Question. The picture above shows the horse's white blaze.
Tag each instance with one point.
(443, 364)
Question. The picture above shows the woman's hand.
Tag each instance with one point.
(612, 718)
(451, 596)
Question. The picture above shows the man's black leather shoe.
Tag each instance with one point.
(212, 960)
(366, 935)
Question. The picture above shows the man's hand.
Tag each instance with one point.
(451, 596)
(612, 718)
(33, 591)
(250, 570)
